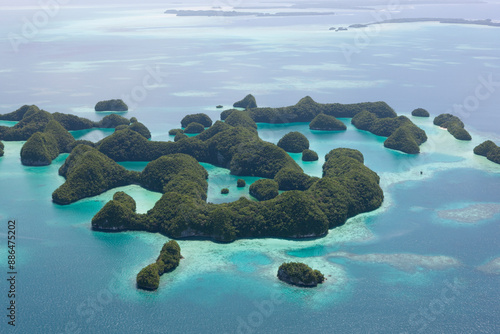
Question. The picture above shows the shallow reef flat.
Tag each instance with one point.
(403, 261)
(471, 214)
(491, 267)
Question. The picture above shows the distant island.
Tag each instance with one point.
(486, 22)
(420, 112)
(111, 105)
(247, 102)
(338, 29)
(300, 274)
(219, 12)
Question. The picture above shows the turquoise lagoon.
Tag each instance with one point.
(386, 270)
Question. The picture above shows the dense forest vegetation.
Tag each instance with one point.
(454, 126)
(47, 134)
(294, 142)
(200, 118)
(43, 147)
(307, 109)
(240, 118)
(149, 277)
(308, 206)
(420, 112)
(73, 122)
(88, 172)
(490, 150)
(111, 105)
(194, 127)
(173, 132)
(33, 120)
(326, 123)
(402, 134)
(237, 148)
(300, 274)
(309, 155)
(247, 102)
(264, 189)
(347, 188)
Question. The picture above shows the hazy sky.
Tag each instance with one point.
(229, 3)
(471, 9)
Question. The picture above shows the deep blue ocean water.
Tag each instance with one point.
(400, 269)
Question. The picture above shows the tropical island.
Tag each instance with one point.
(308, 207)
(47, 135)
(264, 189)
(490, 150)
(194, 128)
(300, 274)
(486, 22)
(111, 105)
(294, 142)
(247, 102)
(420, 112)
(309, 155)
(149, 277)
(402, 134)
(290, 203)
(200, 118)
(284, 203)
(220, 12)
(376, 117)
(43, 147)
(1, 149)
(454, 126)
(324, 122)
(346, 189)
(307, 109)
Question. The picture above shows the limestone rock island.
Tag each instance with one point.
(248, 102)
(294, 142)
(490, 150)
(326, 123)
(454, 126)
(149, 277)
(111, 105)
(420, 112)
(300, 274)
